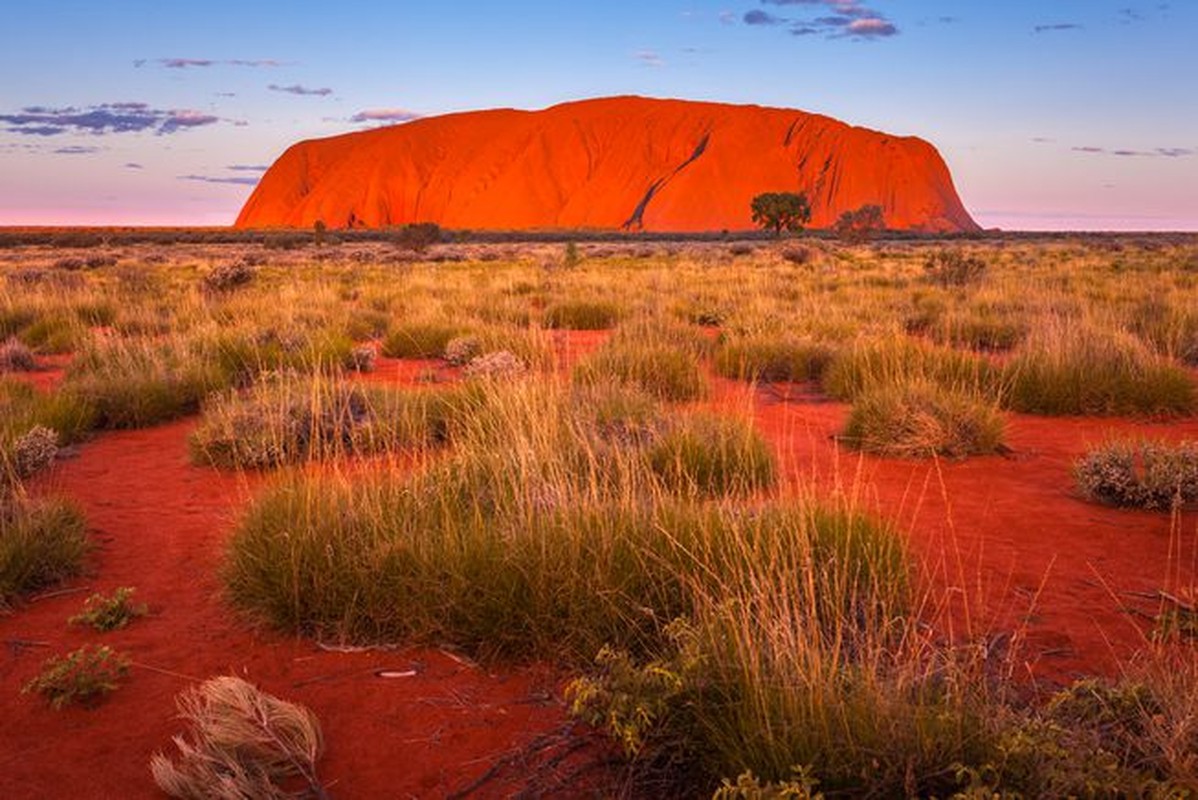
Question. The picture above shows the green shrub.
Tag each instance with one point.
(920, 419)
(419, 340)
(1081, 370)
(711, 455)
(662, 371)
(582, 315)
(82, 676)
(41, 542)
(1145, 474)
(110, 613)
(764, 358)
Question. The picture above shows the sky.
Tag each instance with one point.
(1051, 115)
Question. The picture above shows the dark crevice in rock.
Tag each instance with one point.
(636, 220)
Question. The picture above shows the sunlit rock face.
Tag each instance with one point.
(611, 163)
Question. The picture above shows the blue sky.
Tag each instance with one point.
(1060, 114)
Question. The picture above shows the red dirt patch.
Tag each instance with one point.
(1006, 541)
(161, 525)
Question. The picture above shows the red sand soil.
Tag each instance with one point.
(1004, 539)
(617, 162)
(1005, 543)
(161, 525)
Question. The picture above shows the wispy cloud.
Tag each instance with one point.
(649, 58)
(133, 165)
(107, 118)
(759, 17)
(384, 115)
(295, 88)
(247, 167)
(1058, 26)
(841, 19)
(219, 179)
(76, 150)
(1156, 152)
(188, 63)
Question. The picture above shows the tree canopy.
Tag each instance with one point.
(781, 211)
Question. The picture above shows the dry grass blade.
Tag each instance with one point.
(245, 742)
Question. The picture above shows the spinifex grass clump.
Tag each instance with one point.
(41, 542)
(244, 743)
(918, 418)
(419, 339)
(873, 363)
(291, 418)
(768, 358)
(132, 384)
(24, 409)
(979, 329)
(666, 372)
(582, 315)
(1143, 474)
(1080, 369)
(242, 354)
(713, 455)
(548, 534)
(747, 690)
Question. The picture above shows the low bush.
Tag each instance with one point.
(227, 277)
(460, 350)
(15, 356)
(918, 419)
(82, 676)
(953, 268)
(110, 613)
(500, 364)
(33, 452)
(1143, 474)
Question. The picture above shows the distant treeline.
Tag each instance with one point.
(427, 233)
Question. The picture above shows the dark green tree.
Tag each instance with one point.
(781, 211)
